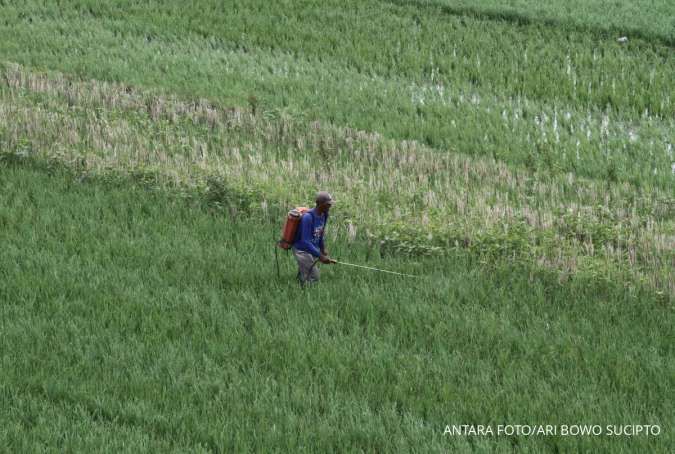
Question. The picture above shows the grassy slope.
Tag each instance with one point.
(399, 192)
(555, 96)
(136, 321)
(649, 19)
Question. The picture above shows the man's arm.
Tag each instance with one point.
(324, 253)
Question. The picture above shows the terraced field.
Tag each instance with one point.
(514, 153)
(410, 198)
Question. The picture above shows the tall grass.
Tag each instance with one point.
(554, 97)
(410, 198)
(517, 157)
(648, 19)
(134, 321)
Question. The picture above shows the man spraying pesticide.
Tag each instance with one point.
(304, 233)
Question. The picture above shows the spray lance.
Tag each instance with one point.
(338, 262)
(372, 268)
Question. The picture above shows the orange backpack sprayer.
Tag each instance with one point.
(288, 232)
(291, 227)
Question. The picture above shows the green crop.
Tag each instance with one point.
(546, 96)
(411, 198)
(517, 156)
(135, 320)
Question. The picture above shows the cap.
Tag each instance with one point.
(324, 197)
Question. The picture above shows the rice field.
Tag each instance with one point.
(534, 94)
(137, 320)
(517, 154)
(406, 191)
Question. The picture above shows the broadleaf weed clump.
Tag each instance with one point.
(218, 196)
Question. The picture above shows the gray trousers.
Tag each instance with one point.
(308, 271)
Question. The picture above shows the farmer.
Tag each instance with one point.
(308, 246)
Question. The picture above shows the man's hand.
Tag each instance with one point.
(325, 259)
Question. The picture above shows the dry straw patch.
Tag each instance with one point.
(104, 127)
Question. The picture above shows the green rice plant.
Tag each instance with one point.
(413, 198)
(515, 156)
(647, 19)
(135, 320)
(562, 98)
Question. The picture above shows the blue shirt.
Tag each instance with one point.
(309, 237)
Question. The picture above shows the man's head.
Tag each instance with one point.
(324, 201)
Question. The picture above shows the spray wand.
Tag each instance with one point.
(371, 268)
